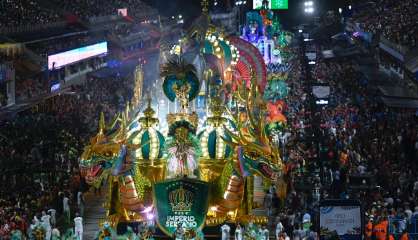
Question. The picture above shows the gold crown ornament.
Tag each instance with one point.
(181, 200)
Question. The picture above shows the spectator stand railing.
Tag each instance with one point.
(411, 227)
(31, 28)
(104, 19)
(401, 49)
(411, 63)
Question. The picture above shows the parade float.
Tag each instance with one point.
(263, 30)
(194, 175)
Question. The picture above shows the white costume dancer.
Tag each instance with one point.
(46, 224)
(225, 231)
(78, 227)
(279, 229)
(52, 213)
(239, 233)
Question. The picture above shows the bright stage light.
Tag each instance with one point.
(309, 6)
(308, 3)
(321, 102)
(349, 7)
(239, 3)
(340, 10)
(300, 30)
(148, 209)
(311, 62)
(309, 10)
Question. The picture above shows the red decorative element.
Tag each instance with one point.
(244, 73)
(251, 55)
(275, 112)
(266, 21)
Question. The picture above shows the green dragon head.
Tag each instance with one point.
(100, 155)
(257, 152)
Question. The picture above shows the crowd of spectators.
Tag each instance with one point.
(22, 204)
(17, 13)
(30, 87)
(56, 45)
(97, 8)
(367, 151)
(33, 87)
(23, 12)
(39, 151)
(360, 138)
(395, 20)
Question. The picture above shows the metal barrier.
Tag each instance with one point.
(411, 227)
(401, 49)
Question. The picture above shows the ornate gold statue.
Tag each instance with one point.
(182, 93)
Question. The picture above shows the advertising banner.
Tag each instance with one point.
(342, 220)
(123, 12)
(181, 202)
(321, 91)
(272, 4)
(62, 59)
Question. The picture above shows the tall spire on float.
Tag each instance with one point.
(149, 119)
(205, 10)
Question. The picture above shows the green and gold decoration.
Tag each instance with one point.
(184, 179)
(181, 203)
(215, 152)
(180, 81)
(147, 135)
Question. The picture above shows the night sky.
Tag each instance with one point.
(289, 18)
